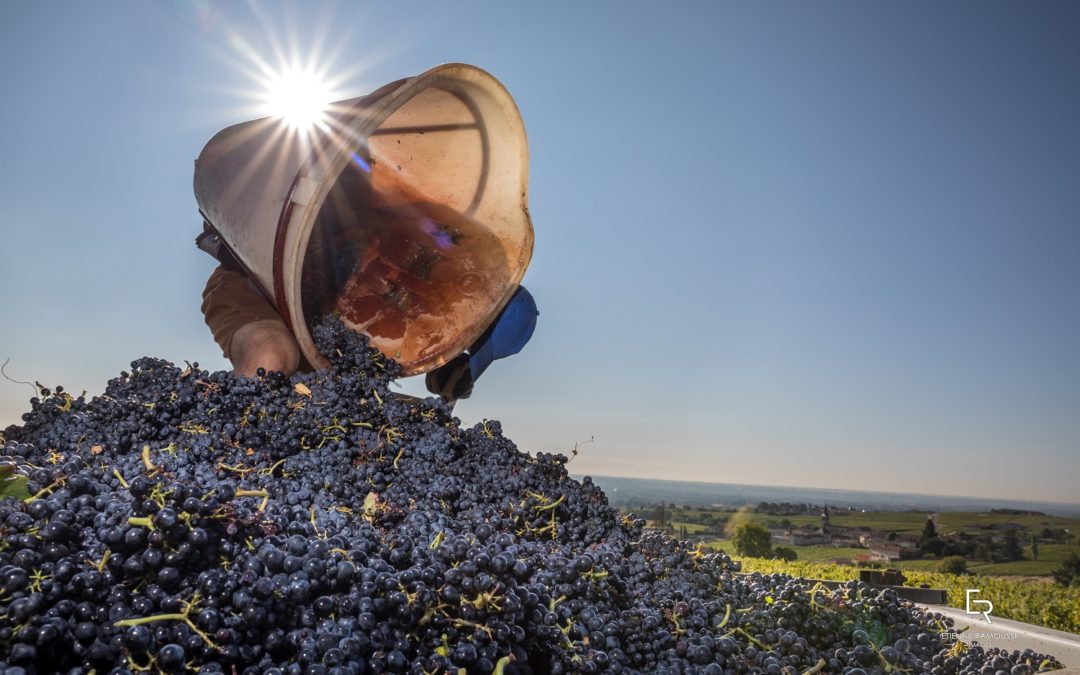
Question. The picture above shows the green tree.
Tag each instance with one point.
(1011, 550)
(660, 516)
(929, 531)
(1069, 572)
(752, 540)
(954, 564)
(1034, 547)
(785, 553)
(933, 546)
(929, 541)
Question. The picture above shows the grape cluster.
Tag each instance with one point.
(195, 521)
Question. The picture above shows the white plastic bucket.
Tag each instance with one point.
(438, 164)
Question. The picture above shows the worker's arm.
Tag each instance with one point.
(248, 329)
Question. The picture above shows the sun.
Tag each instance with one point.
(299, 97)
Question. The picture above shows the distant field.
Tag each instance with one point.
(1019, 568)
(949, 520)
(1050, 558)
(913, 522)
(692, 528)
(808, 553)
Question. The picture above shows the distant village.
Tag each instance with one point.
(881, 547)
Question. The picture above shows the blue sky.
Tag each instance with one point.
(826, 245)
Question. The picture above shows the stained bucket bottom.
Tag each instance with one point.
(411, 274)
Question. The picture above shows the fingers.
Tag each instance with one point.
(266, 344)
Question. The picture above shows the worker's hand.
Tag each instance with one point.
(451, 381)
(266, 344)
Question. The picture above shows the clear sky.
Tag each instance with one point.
(817, 244)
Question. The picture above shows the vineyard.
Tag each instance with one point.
(1042, 604)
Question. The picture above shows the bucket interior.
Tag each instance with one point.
(406, 268)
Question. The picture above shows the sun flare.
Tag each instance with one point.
(299, 97)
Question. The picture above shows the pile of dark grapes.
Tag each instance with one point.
(196, 521)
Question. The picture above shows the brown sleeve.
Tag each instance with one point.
(231, 300)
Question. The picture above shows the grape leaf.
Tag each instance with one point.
(11, 483)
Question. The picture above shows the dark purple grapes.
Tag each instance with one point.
(320, 524)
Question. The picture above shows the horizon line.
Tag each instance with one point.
(1074, 505)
